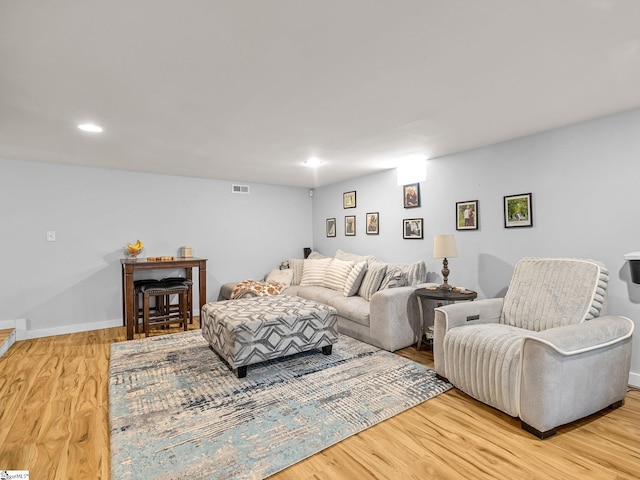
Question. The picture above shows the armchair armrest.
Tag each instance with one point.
(577, 370)
(458, 315)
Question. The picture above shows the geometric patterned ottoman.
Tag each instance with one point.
(255, 329)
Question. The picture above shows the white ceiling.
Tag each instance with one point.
(247, 90)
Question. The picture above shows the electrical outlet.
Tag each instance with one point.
(51, 236)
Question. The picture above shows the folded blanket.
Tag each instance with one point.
(251, 288)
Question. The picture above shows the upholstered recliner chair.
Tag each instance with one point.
(543, 353)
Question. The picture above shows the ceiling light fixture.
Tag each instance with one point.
(90, 127)
(313, 162)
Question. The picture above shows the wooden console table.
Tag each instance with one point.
(131, 265)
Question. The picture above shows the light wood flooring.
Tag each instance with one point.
(54, 422)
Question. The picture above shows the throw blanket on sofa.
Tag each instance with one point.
(251, 288)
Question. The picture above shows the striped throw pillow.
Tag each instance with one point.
(372, 280)
(313, 271)
(336, 274)
(354, 280)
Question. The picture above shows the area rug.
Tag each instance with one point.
(177, 411)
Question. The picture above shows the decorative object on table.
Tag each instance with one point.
(331, 227)
(165, 422)
(467, 215)
(634, 265)
(350, 225)
(411, 195)
(349, 199)
(444, 246)
(372, 223)
(518, 211)
(186, 252)
(132, 250)
(412, 228)
(166, 258)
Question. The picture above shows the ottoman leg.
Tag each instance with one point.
(326, 350)
(241, 372)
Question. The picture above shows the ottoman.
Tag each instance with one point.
(255, 329)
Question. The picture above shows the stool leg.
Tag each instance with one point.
(183, 308)
(145, 313)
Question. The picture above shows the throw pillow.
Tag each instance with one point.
(313, 271)
(354, 280)
(280, 276)
(372, 280)
(336, 274)
(394, 277)
(316, 256)
(296, 265)
(416, 272)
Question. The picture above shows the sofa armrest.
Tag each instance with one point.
(578, 369)
(393, 317)
(458, 315)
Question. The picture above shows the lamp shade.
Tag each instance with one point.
(444, 246)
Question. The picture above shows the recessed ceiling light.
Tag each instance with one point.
(313, 162)
(90, 127)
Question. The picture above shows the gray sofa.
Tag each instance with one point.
(378, 307)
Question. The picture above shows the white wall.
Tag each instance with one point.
(583, 178)
(74, 283)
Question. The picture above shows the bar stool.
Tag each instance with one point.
(163, 314)
(188, 283)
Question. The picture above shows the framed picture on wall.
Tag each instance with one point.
(411, 195)
(331, 227)
(350, 225)
(518, 211)
(349, 199)
(372, 224)
(412, 228)
(467, 215)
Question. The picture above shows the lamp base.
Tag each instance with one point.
(446, 287)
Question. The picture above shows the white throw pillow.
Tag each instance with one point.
(354, 280)
(280, 276)
(354, 257)
(313, 271)
(296, 265)
(336, 274)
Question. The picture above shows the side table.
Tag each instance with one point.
(441, 296)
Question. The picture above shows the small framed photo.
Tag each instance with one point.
(411, 195)
(518, 211)
(350, 225)
(372, 223)
(349, 200)
(467, 215)
(412, 228)
(331, 227)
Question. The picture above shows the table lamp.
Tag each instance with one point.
(444, 246)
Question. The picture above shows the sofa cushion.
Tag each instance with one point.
(318, 294)
(313, 271)
(356, 309)
(336, 274)
(353, 257)
(354, 280)
(280, 276)
(372, 280)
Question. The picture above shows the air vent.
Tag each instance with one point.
(240, 189)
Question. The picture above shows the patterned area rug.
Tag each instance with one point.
(177, 412)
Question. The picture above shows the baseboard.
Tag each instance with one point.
(66, 329)
(18, 324)
(634, 379)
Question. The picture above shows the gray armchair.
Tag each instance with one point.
(543, 353)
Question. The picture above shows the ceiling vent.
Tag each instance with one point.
(240, 189)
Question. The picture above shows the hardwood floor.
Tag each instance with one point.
(54, 422)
